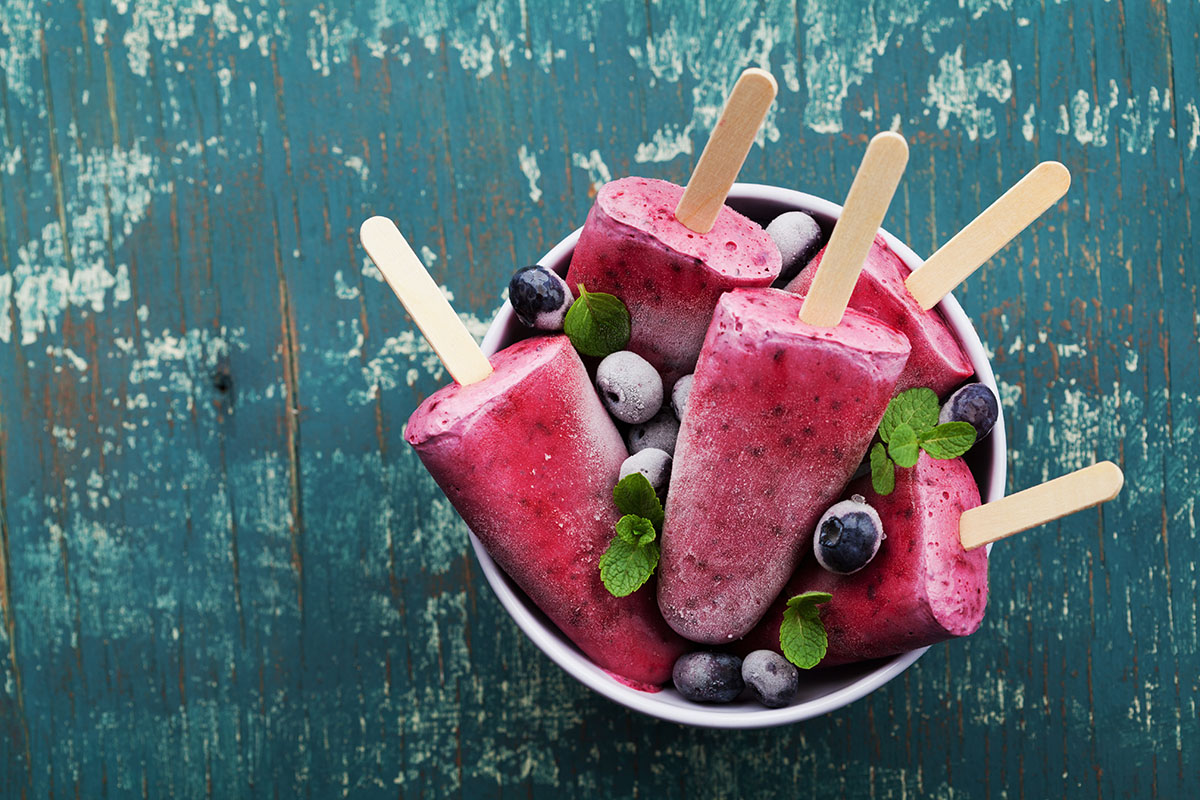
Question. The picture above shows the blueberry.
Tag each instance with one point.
(539, 297)
(798, 237)
(660, 432)
(771, 678)
(848, 536)
(655, 464)
(630, 388)
(974, 403)
(680, 394)
(708, 677)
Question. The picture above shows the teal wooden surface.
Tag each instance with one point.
(224, 574)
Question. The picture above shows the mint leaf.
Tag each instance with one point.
(597, 323)
(917, 408)
(883, 471)
(631, 557)
(948, 440)
(802, 635)
(633, 494)
(903, 447)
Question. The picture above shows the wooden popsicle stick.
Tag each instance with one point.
(726, 151)
(1018, 512)
(868, 200)
(983, 237)
(425, 302)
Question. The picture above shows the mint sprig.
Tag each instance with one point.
(631, 558)
(597, 323)
(883, 471)
(632, 555)
(909, 425)
(948, 440)
(802, 636)
(903, 446)
(633, 494)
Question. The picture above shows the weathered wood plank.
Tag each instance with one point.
(221, 571)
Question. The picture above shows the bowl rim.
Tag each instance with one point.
(663, 705)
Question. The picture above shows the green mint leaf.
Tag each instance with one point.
(597, 323)
(633, 494)
(802, 635)
(631, 557)
(903, 447)
(883, 471)
(917, 408)
(948, 440)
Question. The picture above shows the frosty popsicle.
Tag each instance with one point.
(527, 455)
(670, 252)
(928, 581)
(887, 290)
(786, 397)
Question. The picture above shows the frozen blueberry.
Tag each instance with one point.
(539, 297)
(798, 237)
(655, 464)
(660, 432)
(771, 678)
(974, 403)
(848, 536)
(631, 389)
(680, 394)
(708, 677)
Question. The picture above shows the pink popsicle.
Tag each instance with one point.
(779, 417)
(922, 587)
(669, 276)
(529, 457)
(937, 359)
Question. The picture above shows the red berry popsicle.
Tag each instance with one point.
(786, 397)
(779, 417)
(928, 582)
(888, 291)
(670, 252)
(528, 456)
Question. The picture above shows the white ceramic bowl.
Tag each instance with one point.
(821, 691)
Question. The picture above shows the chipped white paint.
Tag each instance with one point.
(529, 168)
(667, 144)
(596, 169)
(962, 92)
(109, 196)
(343, 290)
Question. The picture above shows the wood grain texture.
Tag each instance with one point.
(222, 573)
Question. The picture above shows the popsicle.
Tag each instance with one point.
(907, 301)
(786, 396)
(928, 582)
(526, 453)
(668, 252)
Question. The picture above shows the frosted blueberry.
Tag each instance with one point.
(680, 394)
(660, 432)
(539, 297)
(974, 403)
(798, 237)
(655, 464)
(630, 388)
(708, 677)
(848, 536)
(771, 678)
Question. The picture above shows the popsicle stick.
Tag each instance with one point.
(868, 200)
(425, 302)
(726, 150)
(1012, 213)
(1018, 512)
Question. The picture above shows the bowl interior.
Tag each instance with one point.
(821, 691)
